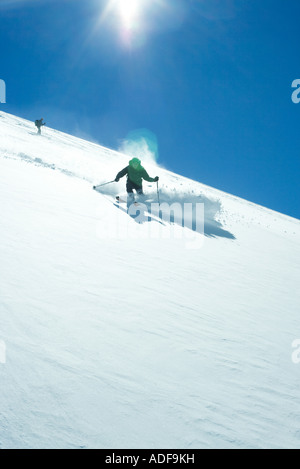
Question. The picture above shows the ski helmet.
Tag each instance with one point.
(135, 162)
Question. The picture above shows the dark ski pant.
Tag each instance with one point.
(131, 185)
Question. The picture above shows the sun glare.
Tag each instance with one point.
(135, 19)
(128, 10)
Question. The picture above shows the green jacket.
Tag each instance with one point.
(135, 175)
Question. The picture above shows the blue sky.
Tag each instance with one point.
(210, 79)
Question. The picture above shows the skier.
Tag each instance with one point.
(135, 175)
(38, 124)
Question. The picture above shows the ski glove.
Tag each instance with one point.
(156, 179)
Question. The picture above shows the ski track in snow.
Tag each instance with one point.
(139, 343)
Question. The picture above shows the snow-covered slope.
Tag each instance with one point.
(139, 340)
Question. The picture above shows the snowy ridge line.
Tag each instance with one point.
(25, 123)
(222, 194)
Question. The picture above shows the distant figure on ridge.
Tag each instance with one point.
(38, 124)
(135, 175)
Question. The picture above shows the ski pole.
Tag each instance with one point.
(100, 185)
(157, 193)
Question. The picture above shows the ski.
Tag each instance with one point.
(122, 201)
(128, 201)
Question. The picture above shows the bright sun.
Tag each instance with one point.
(133, 18)
(128, 10)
